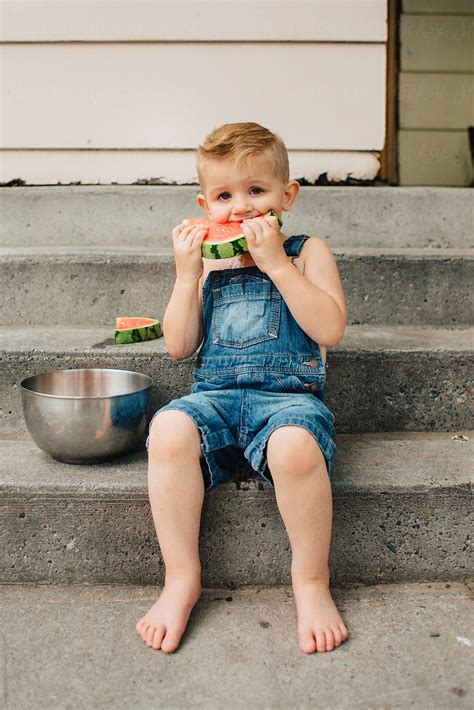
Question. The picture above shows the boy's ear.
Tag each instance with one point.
(202, 202)
(290, 195)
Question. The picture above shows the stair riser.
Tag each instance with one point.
(377, 391)
(376, 538)
(144, 216)
(93, 291)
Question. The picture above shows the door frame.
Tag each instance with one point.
(389, 156)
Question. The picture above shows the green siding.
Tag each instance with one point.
(436, 43)
(435, 92)
(434, 158)
(438, 7)
(436, 101)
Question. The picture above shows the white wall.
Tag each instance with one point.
(118, 91)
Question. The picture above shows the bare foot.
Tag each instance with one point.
(320, 626)
(165, 622)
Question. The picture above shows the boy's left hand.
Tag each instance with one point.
(265, 242)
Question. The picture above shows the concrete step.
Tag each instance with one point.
(75, 646)
(141, 216)
(402, 503)
(379, 378)
(77, 286)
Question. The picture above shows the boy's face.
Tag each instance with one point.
(233, 194)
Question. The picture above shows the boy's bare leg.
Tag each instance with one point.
(176, 492)
(304, 498)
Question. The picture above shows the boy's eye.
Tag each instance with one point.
(252, 188)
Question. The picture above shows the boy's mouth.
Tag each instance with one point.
(241, 219)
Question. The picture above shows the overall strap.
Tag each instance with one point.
(293, 244)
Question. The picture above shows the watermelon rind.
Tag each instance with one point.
(234, 247)
(127, 336)
(272, 213)
(225, 250)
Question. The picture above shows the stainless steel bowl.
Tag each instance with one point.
(87, 416)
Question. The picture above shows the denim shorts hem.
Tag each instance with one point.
(259, 461)
(211, 441)
(219, 447)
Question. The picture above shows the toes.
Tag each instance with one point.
(307, 642)
(344, 632)
(158, 637)
(142, 624)
(320, 639)
(329, 640)
(171, 642)
(149, 634)
(337, 633)
(143, 630)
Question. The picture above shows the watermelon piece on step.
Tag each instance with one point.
(136, 330)
(224, 239)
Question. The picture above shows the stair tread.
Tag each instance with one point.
(367, 463)
(407, 646)
(130, 214)
(140, 254)
(369, 338)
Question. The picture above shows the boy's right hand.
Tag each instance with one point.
(187, 240)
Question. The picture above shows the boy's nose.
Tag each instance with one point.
(242, 209)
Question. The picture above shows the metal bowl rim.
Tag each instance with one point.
(85, 369)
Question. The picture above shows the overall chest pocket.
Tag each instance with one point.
(246, 312)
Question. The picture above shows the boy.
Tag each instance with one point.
(266, 318)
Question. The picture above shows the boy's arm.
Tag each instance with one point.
(315, 299)
(182, 322)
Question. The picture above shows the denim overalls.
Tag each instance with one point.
(256, 370)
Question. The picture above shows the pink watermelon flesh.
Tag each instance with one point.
(126, 323)
(223, 239)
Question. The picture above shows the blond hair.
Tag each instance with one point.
(241, 141)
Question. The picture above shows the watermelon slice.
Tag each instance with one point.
(136, 330)
(224, 239)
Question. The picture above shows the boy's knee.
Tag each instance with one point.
(173, 432)
(293, 448)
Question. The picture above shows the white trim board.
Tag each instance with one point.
(316, 96)
(46, 167)
(199, 20)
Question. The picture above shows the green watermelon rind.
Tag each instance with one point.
(138, 335)
(235, 247)
(225, 250)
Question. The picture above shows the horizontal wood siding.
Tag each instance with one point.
(438, 43)
(441, 101)
(436, 93)
(434, 158)
(158, 76)
(438, 7)
(125, 96)
(190, 20)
